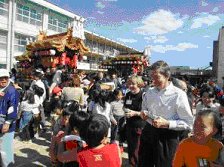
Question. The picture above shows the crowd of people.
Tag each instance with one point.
(165, 121)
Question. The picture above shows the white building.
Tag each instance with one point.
(218, 58)
(21, 21)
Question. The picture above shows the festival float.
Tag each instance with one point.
(50, 51)
(126, 64)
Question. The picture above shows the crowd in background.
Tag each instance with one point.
(93, 114)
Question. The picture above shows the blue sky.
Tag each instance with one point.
(181, 32)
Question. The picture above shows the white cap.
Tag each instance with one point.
(4, 73)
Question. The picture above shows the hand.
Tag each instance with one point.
(5, 128)
(130, 114)
(2, 94)
(114, 122)
(143, 115)
(59, 136)
(160, 123)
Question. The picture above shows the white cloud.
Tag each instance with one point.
(100, 5)
(208, 47)
(157, 39)
(207, 20)
(180, 32)
(100, 12)
(159, 22)
(180, 47)
(206, 36)
(216, 9)
(110, 0)
(127, 40)
(203, 3)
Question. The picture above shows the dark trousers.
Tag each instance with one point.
(157, 146)
(25, 134)
(133, 140)
(116, 128)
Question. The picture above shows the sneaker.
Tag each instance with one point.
(37, 136)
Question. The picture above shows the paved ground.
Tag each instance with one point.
(35, 154)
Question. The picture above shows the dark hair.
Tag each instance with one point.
(29, 96)
(96, 130)
(162, 68)
(215, 115)
(38, 90)
(57, 103)
(76, 81)
(66, 112)
(79, 120)
(101, 97)
(72, 106)
(38, 73)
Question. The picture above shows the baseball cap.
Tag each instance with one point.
(4, 73)
(56, 90)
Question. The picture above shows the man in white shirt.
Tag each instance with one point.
(167, 112)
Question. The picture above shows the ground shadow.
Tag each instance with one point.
(32, 159)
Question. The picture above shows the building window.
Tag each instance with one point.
(21, 42)
(4, 7)
(3, 40)
(28, 15)
(57, 24)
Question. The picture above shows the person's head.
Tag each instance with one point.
(13, 71)
(78, 121)
(100, 75)
(114, 76)
(38, 74)
(101, 97)
(160, 74)
(58, 108)
(180, 84)
(29, 96)
(76, 81)
(4, 78)
(72, 106)
(207, 123)
(65, 116)
(57, 91)
(135, 83)
(38, 90)
(96, 130)
(118, 94)
(207, 97)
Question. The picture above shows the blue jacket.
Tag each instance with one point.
(9, 107)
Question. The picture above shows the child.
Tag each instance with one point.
(102, 107)
(200, 149)
(70, 144)
(98, 152)
(27, 107)
(118, 113)
(60, 127)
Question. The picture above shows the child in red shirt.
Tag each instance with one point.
(98, 153)
(69, 145)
